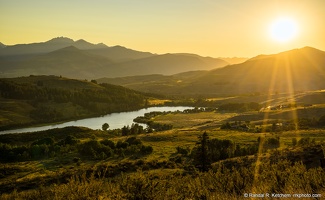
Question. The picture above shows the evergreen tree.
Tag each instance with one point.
(202, 157)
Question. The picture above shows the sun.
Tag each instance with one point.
(283, 29)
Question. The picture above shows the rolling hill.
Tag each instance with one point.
(295, 70)
(44, 99)
(166, 64)
(120, 54)
(234, 60)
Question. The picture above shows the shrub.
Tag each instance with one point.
(109, 143)
(47, 141)
(182, 151)
(146, 149)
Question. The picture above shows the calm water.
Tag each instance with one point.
(115, 120)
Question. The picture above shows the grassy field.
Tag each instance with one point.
(192, 120)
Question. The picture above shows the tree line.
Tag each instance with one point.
(92, 149)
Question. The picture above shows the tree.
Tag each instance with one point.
(105, 126)
(272, 143)
(125, 130)
(202, 157)
(220, 149)
(71, 140)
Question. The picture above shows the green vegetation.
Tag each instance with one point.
(47, 99)
(216, 152)
(220, 183)
(131, 170)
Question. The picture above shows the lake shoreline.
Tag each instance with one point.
(36, 124)
(60, 124)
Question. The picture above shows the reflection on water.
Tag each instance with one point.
(115, 120)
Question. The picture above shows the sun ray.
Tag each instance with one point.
(265, 121)
(290, 89)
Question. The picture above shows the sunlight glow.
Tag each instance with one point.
(283, 29)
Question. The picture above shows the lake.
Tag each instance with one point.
(115, 120)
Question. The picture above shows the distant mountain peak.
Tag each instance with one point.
(101, 45)
(81, 41)
(119, 46)
(308, 48)
(61, 40)
(65, 51)
(292, 52)
(69, 48)
(83, 44)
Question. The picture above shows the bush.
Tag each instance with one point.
(182, 151)
(272, 143)
(109, 143)
(71, 140)
(47, 141)
(133, 141)
(304, 141)
(146, 149)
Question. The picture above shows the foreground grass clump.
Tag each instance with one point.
(218, 183)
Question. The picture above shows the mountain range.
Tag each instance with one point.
(46, 47)
(173, 74)
(84, 60)
(288, 72)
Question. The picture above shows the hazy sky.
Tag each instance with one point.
(206, 27)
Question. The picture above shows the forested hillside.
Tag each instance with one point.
(41, 99)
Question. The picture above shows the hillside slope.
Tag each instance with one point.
(166, 64)
(296, 70)
(69, 61)
(43, 99)
(120, 54)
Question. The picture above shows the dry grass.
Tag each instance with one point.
(153, 102)
(221, 183)
(181, 120)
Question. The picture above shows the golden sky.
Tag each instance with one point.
(217, 28)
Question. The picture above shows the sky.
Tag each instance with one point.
(216, 28)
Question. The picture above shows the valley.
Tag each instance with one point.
(257, 125)
(172, 156)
